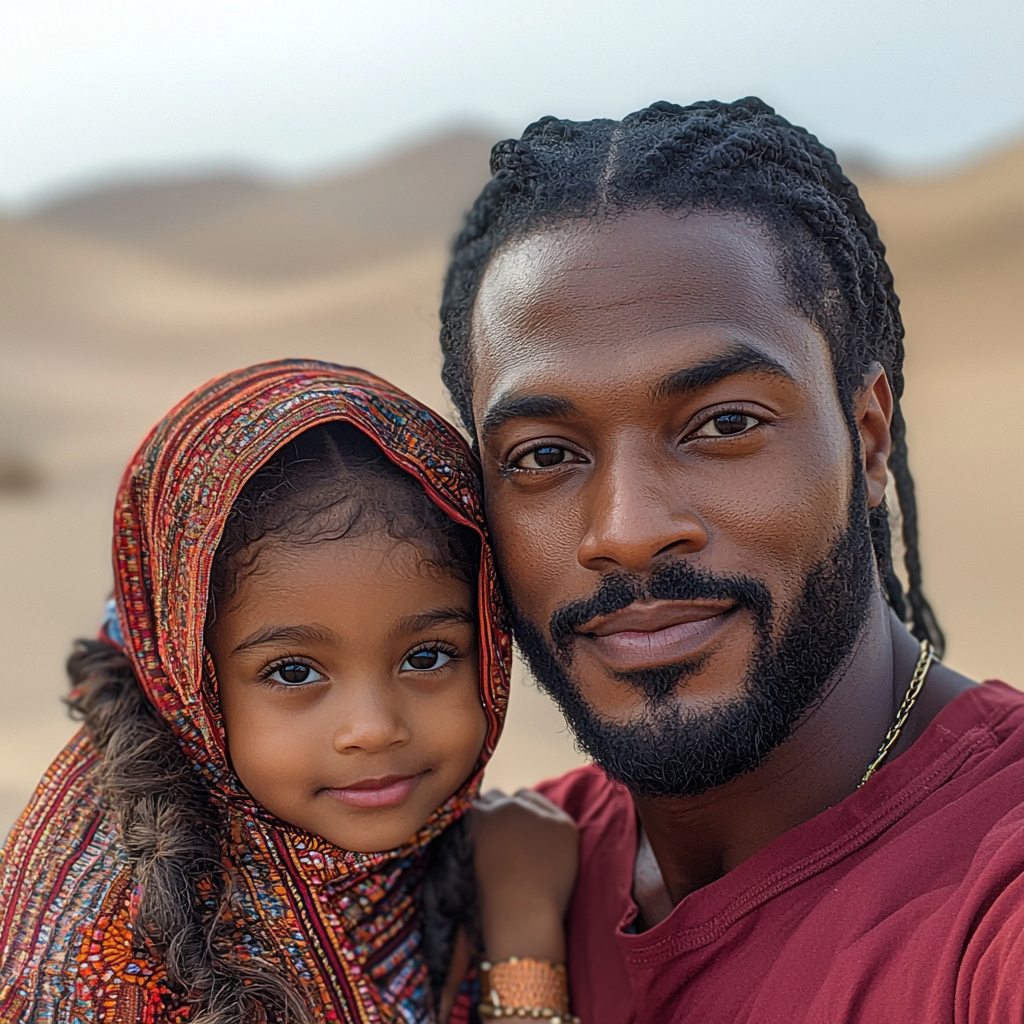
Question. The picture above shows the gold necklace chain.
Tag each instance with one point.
(924, 662)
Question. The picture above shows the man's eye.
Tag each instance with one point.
(425, 661)
(545, 457)
(727, 424)
(294, 673)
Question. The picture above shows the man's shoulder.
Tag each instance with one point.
(988, 720)
(588, 795)
(992, 712)
(1001, 701)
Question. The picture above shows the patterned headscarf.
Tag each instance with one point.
(343, 925)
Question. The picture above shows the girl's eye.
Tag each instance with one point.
(545, 457)
(727, 424)
(425, 661)
(294, 673)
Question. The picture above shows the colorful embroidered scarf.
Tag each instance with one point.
(342, 924)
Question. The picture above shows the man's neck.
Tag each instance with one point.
(687, 842)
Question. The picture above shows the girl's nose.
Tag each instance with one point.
(369, 721)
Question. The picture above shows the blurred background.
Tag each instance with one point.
(189, 187)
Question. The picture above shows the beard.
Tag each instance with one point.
(667, 751)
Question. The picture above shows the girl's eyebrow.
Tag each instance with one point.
(288, 635)
(435, 617)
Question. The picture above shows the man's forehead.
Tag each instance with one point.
(620, 291)
(641, 268)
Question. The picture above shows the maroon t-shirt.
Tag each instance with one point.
(903, 904)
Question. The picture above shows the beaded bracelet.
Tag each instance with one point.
(524, 987)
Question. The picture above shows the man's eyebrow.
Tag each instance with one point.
(739, 359)
(287, 635)
(508, 408)
(435, 617)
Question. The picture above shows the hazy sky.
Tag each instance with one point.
(94, 88)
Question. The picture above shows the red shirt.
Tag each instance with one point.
(903, 904)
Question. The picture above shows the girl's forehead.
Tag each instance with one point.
(358, 591)
(371, 555)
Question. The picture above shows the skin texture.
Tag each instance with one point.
(511, 837)
(605, 356)
(354, 611)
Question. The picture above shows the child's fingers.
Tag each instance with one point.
(492, 798)
(542, 805)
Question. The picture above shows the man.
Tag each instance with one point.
(676, 342)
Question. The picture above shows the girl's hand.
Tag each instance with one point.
(525, 853)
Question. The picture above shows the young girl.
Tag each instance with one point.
(284, 722)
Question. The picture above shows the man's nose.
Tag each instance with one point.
(637, 511)
(369, 720)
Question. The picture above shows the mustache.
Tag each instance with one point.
(675, 581)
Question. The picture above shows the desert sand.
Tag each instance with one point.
(116, 302)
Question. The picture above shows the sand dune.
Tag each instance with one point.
(114, 304)
(974, 218)
(241, 229)
(144, 212)
(53, 284)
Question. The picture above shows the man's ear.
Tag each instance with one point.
(872, 410)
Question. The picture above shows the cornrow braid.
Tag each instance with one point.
(738, 158)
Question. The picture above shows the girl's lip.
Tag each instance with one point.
(386, 791)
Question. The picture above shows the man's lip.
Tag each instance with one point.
(653, 633)
(652, 616)
(384, 791)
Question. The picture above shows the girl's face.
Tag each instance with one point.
(348, 683)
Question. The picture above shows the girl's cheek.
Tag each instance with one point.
(458, 726)
(474, 730)
(269, 746)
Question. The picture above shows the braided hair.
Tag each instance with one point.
(739, 158)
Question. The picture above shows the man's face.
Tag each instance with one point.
(669, 483)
